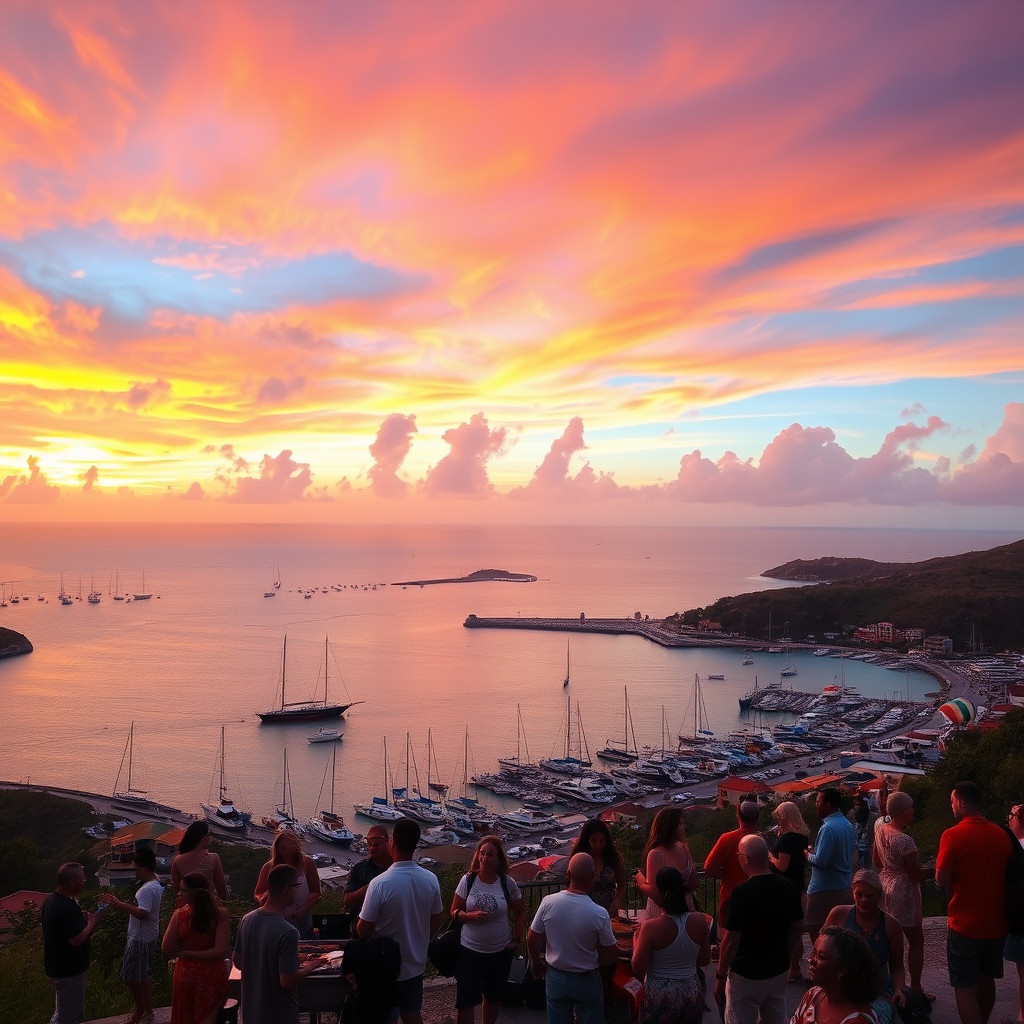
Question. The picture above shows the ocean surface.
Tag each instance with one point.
(205, 652)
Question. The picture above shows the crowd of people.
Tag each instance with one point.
(864, 925)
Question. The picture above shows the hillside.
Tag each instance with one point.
(981, 591)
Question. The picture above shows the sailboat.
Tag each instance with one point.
(64, 596)
(327, 825)
(224, 814)
(565, 682)
(145, 595)
(464, 803)
(613, 751)
(517, 762)
(118, 596)
(701, 732)
(284, 812)
(418, 806)
(569, 763)
(304, 711)
(130, 797)
(380, 807)
(94, 595)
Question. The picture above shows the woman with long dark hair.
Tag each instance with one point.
(609, 889)
(199, 936)
(492, 912)
(667, 953)
(666, 847)
(194, 855)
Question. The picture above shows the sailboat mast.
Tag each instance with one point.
(222, 764)
(284, 662)
(326, 659)
(131, 749)
(334, 762)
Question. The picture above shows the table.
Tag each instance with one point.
(319, 992)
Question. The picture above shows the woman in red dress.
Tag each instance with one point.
(200, 937)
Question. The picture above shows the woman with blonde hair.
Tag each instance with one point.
(492, 912)
(895, 856)
(883, 936)
(287, 849)
(789, 858)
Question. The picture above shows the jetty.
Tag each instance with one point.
(654, 631)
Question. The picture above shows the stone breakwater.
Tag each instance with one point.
(650, 630)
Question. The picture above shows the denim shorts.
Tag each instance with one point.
(1013, 949)
(970, 958)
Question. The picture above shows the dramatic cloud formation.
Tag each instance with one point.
(29, 490)
(464, 469)
(389, 449)
(281, 479)
(261, 229)
(552, 479)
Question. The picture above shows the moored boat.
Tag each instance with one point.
(303, 711)
(224, 814)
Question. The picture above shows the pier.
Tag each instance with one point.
(649, 630)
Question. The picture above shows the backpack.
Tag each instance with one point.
(1015, 886)
(374, 965)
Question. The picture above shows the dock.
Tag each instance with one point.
(654, 631)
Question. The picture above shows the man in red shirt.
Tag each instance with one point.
(972, 860)
(723, 861)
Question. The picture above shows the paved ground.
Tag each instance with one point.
(439, 1002)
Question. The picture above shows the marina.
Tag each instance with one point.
(205, 656)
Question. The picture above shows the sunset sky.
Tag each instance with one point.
(662, 262)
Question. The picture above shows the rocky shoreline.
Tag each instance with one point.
(13, 643)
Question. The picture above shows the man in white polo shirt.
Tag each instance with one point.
(569, 938)
(404, 904)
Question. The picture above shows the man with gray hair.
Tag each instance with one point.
(66, 947)
(570, 937)
(722, 861)
(764, 917)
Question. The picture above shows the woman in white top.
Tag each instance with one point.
(667, 953)
(492, 914)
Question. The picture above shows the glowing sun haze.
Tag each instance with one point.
(673, 262)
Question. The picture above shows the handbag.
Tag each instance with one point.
(443, 949)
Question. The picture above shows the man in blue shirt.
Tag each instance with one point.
(831, 861)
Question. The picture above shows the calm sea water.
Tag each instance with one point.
(206, 650)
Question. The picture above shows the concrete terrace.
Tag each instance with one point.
(439, 1000)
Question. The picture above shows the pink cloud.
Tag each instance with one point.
(389, 449)
(464, 469)
(89, 479)
(281, 479)
(552, 479)
(807, 466)
(29, 490)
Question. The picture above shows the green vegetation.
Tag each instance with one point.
(981, 591)
(42, 831)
